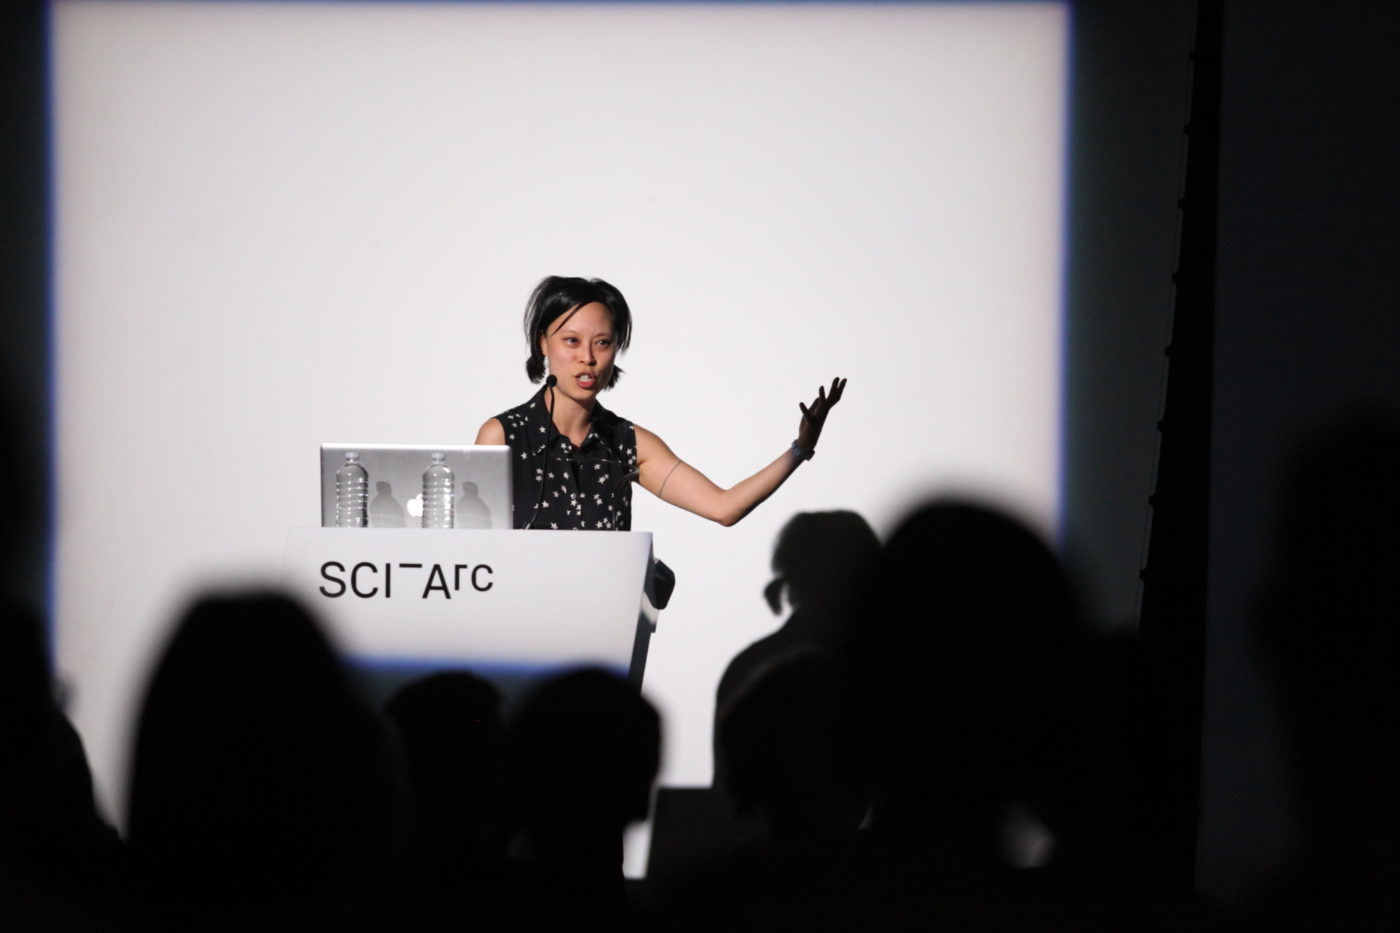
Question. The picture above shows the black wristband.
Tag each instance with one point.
(802, 454)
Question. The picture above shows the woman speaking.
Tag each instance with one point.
(573, 460)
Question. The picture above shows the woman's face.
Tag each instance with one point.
(580, 349)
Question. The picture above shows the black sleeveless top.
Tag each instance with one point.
(587, 487)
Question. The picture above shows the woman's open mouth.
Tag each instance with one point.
(586, 380)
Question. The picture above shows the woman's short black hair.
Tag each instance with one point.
(558, 295)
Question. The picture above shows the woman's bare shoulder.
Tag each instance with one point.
(492, 432)
(648, 442)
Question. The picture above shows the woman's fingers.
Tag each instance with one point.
(821, 405)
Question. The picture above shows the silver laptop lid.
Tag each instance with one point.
(481, 477)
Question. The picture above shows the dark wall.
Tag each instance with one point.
(24, 354)
(1131, 100)
(1307, 329)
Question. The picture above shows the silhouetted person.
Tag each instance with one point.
(820, 563)
(979, 728)
(1330, 626)
(60, 863)
(453, 747)
(584, 751)
(262, 793)
(959, 664)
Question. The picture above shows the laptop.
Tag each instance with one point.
(481, 482)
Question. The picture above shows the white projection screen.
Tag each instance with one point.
(278, 224)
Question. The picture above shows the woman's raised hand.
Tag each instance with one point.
(814, 415)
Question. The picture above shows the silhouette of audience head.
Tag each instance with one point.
(961, 659)
(584, 751)
(820, 560)
(453, 746)
(25, 691)
(59, 862)
(259, 785)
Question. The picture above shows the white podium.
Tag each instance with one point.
(523, 601)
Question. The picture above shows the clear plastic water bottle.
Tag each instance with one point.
(437, 493)
(351, 493)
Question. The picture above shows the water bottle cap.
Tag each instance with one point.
(439, 457)
(352, 455)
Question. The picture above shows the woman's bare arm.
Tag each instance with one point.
(672, 480)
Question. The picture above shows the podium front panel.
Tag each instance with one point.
(526, 599)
